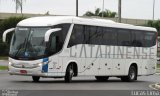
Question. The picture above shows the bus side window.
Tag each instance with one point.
(109, 36)
(124, 37)
(53, 44)
(77, 36)
(138, 38)
(149, 39)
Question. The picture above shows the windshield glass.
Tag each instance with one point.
(28, 43)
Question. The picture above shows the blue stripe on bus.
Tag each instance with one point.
(45, 66)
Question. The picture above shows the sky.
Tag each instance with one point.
(135, 9)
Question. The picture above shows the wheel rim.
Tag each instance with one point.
(132, 74)
(71, 71)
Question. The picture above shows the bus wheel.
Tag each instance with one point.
(69, 74)
(101, 78)
(35, 78)
(132, 75)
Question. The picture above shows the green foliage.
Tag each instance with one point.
(3, 57)
(4, 25)
(98, 12)
(19, 4)
(3, 67)
(158, 65)
(9, 23)
(155, 24)
(4, 48)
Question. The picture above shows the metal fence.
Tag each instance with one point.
(131, 21)
(124, 20)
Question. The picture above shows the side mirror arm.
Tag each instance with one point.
(6, 32)
(49, 32)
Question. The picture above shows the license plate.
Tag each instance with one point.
(23, 71)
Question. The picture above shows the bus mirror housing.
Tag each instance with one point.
(49, 32)
(6, 32)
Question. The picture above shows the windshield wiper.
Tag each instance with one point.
(20, 48)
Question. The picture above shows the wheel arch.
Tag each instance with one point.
(136, 66)
(75, 67)
(131, 64)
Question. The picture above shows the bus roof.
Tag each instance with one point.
(53, 20)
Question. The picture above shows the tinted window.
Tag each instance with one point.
(124, 37)
(143, 38)
(93, 35)
(109, 36)
(149, 39)
(63, 32)
(84, 34)
(77, 36)
(138, 38)
(57, 38)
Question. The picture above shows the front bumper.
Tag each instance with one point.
(30, 72)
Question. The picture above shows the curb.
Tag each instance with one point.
(157, 86)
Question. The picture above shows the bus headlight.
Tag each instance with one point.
(25, 65)
(10, 64)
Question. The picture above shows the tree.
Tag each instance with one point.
(155, 24)
(47, 13)
(6, 24)
(98, 12)
(19, 4)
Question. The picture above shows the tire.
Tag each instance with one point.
(132, 75)
(101, 78)
(35, 78)
(69, 74)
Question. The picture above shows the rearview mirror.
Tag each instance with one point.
(6, 32)
(49, 32)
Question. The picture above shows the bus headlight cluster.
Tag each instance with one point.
(26, 65)
(14, 65)
(11, 64)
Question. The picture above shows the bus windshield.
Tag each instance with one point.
(28, 43)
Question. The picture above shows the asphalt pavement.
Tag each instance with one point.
(79, 83)
(81, 86)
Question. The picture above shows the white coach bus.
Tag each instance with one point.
(66, 46)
